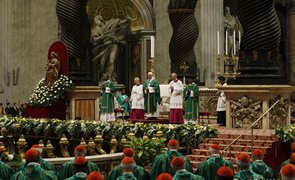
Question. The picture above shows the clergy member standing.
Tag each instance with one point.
(175, 89)
(137, 100)
(221, 103)
(107, 107)
(151, 97)
(124, 102)
(191, 94)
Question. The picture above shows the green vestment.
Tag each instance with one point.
(162, 164)
(191, 102)
(124, 102)
(127, 176)
(208, 168)
(34, 172)
(151, 99)
(44, 165)
(68, 169)
(5, 171)
(184, 174)
(78, 176)
(288, 161)
(262, 169)
(139, 173)
(248, 174)
(107, 104)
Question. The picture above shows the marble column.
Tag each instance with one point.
(291, 39)
(26, 32)
(211, 20)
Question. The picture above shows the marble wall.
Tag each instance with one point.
(209, 15)
(26, 32)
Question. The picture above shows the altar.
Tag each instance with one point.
(246, 103)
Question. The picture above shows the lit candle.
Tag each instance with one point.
(226, 42)
(234, 41)
(239, 39)
(152, 46)
(218, 46)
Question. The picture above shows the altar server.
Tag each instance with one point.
(176, 109)
(137, 100)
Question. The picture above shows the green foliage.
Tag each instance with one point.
(286, 134)
(146, 149)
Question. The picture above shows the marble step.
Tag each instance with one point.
(206, 152)
(242, 142)
(262, 137)
(233, 147)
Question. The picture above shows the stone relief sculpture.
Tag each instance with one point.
(278, 115)
(52, 69)
(107, 37)
(245, 111)
(231, 24)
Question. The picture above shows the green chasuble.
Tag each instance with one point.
(68, 169)
(124, 102)
(127, 176)
(262, 169)
(34, 172)
(78, 176)
(151, 99)
(162, 164)
(44, 165)
(208, 168)
(191, 94)
(139, 173)
(248, 174)
(5, 171)
(288, 161)
(107, 104)
(184, 174)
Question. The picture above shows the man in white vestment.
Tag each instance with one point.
(137, 100)
(176, 109)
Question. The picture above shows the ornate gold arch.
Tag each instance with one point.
(140, 12)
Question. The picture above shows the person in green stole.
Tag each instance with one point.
(44, 164)
(178, 165)
(124, 102)
(259, 167)
(128, 164)
(107, 102)
(191, 95)
(208, 168)
(288, 161)
(164, 176)
(67, 169)
(245, 172)
(138, 172)
(95, 176)
(287, 172)
(33, 170)
(225, 173)
(162, 163)
(5, 171)
(80, 169)
(152, 97)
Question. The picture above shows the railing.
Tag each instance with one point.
(250, 127)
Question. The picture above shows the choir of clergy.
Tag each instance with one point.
(145, 100)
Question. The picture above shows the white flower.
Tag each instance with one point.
(10, 157)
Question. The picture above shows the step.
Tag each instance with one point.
(199, 158)
(243, 142)
(248, 137)
(234, 147)
(206, 152)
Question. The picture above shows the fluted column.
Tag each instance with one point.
(291, 39)
(211, 22)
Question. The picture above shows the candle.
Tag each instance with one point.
(226, 43)
(234, 41)
(239, 39)
(218, 47)
(152, 46)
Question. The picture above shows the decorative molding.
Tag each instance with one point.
(245, 111)
(279, 114)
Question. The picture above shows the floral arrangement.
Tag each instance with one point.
(188, 134)
(11, 158)
(286, 134)
(44, 95)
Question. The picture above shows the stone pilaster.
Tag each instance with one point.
(291, 39)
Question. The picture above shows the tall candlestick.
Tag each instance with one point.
(226, 42)
(239, 39)
(152, 46)
(218, 46)
(234, 41)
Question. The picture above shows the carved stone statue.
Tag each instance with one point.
(107, 38)
(231, 24)
(52, 69)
